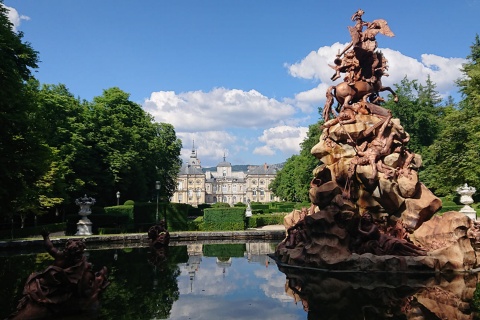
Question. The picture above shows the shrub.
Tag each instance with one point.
(220, 205)
(32, 231)
(129, 203)
(257, 221)
(240, 204)
(224, 219)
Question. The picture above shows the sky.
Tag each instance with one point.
(240, 79)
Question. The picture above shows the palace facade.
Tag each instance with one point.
(196, 186)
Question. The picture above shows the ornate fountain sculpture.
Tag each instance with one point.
(466, 199)
(369, 211)
(84, 225)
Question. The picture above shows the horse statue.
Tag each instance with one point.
(346, 94)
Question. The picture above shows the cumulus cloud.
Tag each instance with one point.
(282, 138)
(216, 110)
(443, 72)
(210, 145)
(225, 121)
(15, 18)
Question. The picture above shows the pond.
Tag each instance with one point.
(240, 281)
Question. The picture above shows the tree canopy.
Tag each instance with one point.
(55, 148)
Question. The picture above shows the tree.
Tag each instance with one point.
(419, 111)
(165, 149)
(292, 182)
(23, 153)
(63, 118)
(455, 155)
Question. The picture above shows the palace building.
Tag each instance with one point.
(196, 186)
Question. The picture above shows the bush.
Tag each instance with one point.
(129, 203)
(32, 232)
(257, 221)
(240, 204)
(224, 219)
(220, 205)
(195, 225)
(125, 210)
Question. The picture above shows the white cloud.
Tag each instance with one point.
(216, 110)
(443, 72)
(211, 146)
(283, 138)
(15, 18)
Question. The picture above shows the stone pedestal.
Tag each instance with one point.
(466, 193)
(84, 226)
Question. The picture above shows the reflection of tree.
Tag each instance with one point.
(14, 271)
(224, 251)
(137, 291)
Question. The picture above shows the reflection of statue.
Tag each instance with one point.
(359, 296)
(68, 286)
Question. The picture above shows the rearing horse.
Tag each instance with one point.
(346, 94)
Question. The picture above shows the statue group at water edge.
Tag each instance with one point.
(369, 211)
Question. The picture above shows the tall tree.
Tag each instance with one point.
(292, 182)
(455, 155)
(419, 110)
(63, 118)
(23, 153)
(165, 149)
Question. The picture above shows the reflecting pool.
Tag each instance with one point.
(240, 281)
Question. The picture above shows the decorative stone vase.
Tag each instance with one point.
(84, 225)
(466, 193)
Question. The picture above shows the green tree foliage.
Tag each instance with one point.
(419, 111)
(63, 119)
(292, 182)
(455, 155)
(129, 149)
(165, 149)
(23, 154)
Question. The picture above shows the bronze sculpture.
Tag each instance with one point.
(68, 286)
(369, 209)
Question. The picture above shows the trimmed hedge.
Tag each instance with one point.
(223, 219)
(177, 213)
(32, 231)
(125, 210)
(257, 220)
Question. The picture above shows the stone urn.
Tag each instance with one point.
(466, 199)
(84, 225)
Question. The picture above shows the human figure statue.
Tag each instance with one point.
(350, 65)
(159, 235)
(68, 286)
(376, 242)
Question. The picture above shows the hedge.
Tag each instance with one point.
(177, 213)
(223, 219)
(100, 221)
(257, 220)
(32, 231)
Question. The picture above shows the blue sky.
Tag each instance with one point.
(241, 78)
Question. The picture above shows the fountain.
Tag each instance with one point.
(369, 211)
(84, 225)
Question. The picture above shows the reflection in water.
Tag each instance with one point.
(240, 281)
(330, 295)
